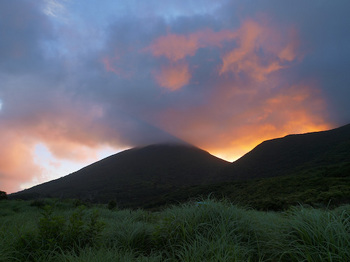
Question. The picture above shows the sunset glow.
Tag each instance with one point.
(79, 84)
(174, 76)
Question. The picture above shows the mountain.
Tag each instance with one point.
(306, 168)
(292, 154)
(312, 168)
(134, 176)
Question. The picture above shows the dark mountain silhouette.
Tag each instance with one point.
(304, 168)
(292, 154)
(134, 176)
(312, 169)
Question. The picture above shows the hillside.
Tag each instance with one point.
(134, 176)
(318, 187)
(292, 154)
(312, 168)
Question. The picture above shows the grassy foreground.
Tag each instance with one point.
(210, 230)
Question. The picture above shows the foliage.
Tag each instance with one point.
(40, 203)
(318, 187)
(55, 233)
(3, 195)
(210, 231)
(112, 205)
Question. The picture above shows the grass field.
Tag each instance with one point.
(52, 230)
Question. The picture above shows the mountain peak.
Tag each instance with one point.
(135, 174)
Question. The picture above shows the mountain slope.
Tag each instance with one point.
(133, 176)
(292, 154)
(312, 169)
(307, 168)
(314, 187)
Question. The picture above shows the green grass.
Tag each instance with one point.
(207, 231)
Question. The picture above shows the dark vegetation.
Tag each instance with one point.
(205, 230)
(327, 186)
(3, 195)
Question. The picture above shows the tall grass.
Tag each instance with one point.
(206, 231)
(316, 235)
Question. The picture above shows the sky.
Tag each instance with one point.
(81, 80)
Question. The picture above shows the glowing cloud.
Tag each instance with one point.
(229, 129)
(16, 165)
(249, 104)
(174, 76)
(260, 51)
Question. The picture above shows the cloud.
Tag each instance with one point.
(224, 76)
(231, 126)
(112, 65)
(260, 51)
(257, 49)
(173, 76)
(250, 101)
(54, 8)
(16, 163)
(24, 32)
(175, 47)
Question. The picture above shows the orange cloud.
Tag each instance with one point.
(16, 163)
(249, 103)
(173, 76)
(230, 127)
(19, 168)
(70, 134)
(260, 51)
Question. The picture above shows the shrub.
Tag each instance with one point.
(58, 234)
(112, 205)
(51, 229)
(38, 203)
(3, 195)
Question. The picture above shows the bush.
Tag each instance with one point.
(40, 203)
(112, 205)
(3, 195)
(58, 234)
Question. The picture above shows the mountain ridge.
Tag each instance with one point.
(137, 173)
(141, 176)
(282, 156)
